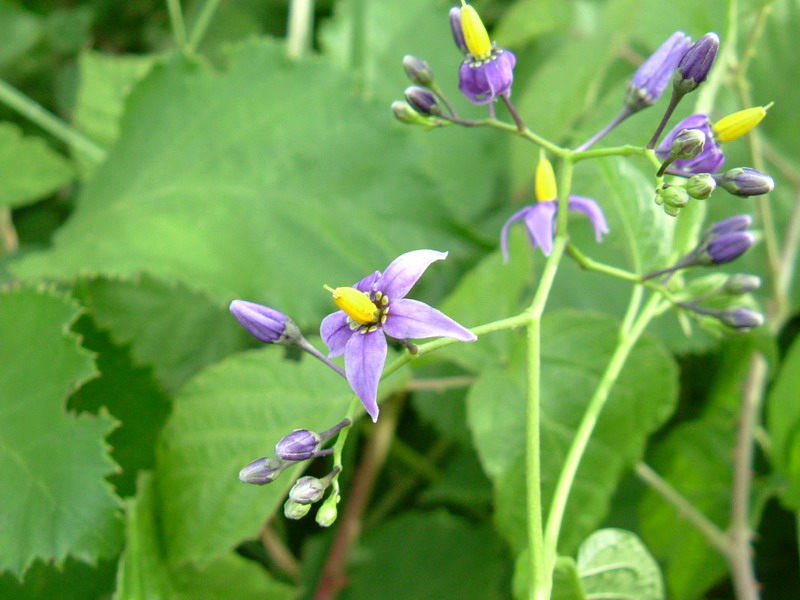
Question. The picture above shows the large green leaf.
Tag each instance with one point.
(229, 415)
(783, 412)
(54, 501)
(72, 580)
(576, 347)
(29, 168)
(262, 182)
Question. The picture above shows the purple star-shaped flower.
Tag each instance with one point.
(708, 161)
(364, 344)
(540, 222)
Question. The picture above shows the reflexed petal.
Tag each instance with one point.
(365, 285)
(411, 319)
(335, 332)
(404, 271)
(364, 358)
(541, 223)
(520, 214)
(590, 208)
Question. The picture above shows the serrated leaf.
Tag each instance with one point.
(71, 581)
(29, 168)
(54, 501)
(229, 415)
(783, 421)
(262, 182)
(173, 327)
(614, 563)
(575, 350)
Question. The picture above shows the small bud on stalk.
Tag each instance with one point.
(744, 181)
(423, 100)
(418, 70)
(701, 186)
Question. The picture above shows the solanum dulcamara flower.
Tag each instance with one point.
(540, 218)
(376, 307)
(488, 70)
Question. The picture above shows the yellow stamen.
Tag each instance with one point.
(355, 304)
(546, 188)
(737, 124)
(475, 35)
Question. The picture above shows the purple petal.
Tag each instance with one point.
(404, 271)
(590, 208)
(481, 82)
(652, 77)
(708, 161)
(366, 284)
(517, 216)
(541, 223)
(411, 319)
(363, 362)
(335, 332)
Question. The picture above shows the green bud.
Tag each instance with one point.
(688, 144)
(672, 211)
(673, 195)
(701, 186)
(294, 510)
(418, 70)
(327, 513)
(742, 283)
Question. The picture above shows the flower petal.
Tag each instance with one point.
(365, 285)
(404, 271)
(335, 332)
(520, 214)
(590, 208)
(541, 222)
(363, 362)
(411, 319)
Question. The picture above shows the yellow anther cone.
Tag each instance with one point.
(475, 35)
(355, 304)
(739, 123)
(546, 188)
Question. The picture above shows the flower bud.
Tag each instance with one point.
(458, 32)
(688, 144)
(327, 513)
(294, 510)
(672, 211)
(674, 196)
(741, 283)
(307, 490)
(653, 75)
(405, 114)
(701, 186)
(262, 471)
(696, 63)
(265, 323)
(422, 100)
(726, 248)
(744, 181)
(741, 318)
(418, 70)
(301, 444)
(731, 224)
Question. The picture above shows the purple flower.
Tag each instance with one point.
(481, 81)
(376, 307)
(708, 161)
(540, 222)
(652, 77)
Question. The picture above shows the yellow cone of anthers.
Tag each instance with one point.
(475, 35)
(737, 124)
(355, 304)
(546, 189)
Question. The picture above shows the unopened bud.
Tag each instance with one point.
(405, 114)
(418, 70)
(458, 31)
(307, 490)
(294, 510)
(422, 100)
(726, 248)
(262, 471)
(301, 444)
(744, 181)
(742, 283)
(741, 318)
(731, 224)
(327, 513)
(688, 144)
(674, 196)
(265, 323)
(696, 63)
(701, 186)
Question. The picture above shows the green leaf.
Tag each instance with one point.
(576, 348)
(614, 563)
(566, 580)
(527, 20)
(783, 422)
(696, 460)
(29, 168)
(429, 555)
(71, 581)
(172, 326)
(54, 501)
(262, 182)
(19, 30)
(229, 415)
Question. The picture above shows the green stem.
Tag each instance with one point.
(301, 23)
(201, 25)
(177, 23)
(586, 428)
(36, 113)
(338, 447)
(626, 150)
(527, 134)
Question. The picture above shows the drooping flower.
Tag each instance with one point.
(488, 70)
(652, 77)
(376, 307)
(540, 218)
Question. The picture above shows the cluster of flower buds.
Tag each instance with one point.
(309, 490)
(421, 105)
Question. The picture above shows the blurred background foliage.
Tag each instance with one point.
(129, 397)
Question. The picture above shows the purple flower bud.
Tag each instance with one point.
(693, 68)
(307, 490)
(263, 470)
(418, 70)
(652, 77)
(729, 225)
(744, 181)
(422, 100)
(726, 248)
(482, 81)
(455, 26)
(266, 324)
(689, 143)
(742, 283)
(301, 444)
(741, 318)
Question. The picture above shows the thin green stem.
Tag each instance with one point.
(338, 446)
(626, 150)
(586, 427)
(177, 23)
(201, 25)
(300, 30)
(527, 134)
(673, 103)
(623, 114)
(36, 113)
